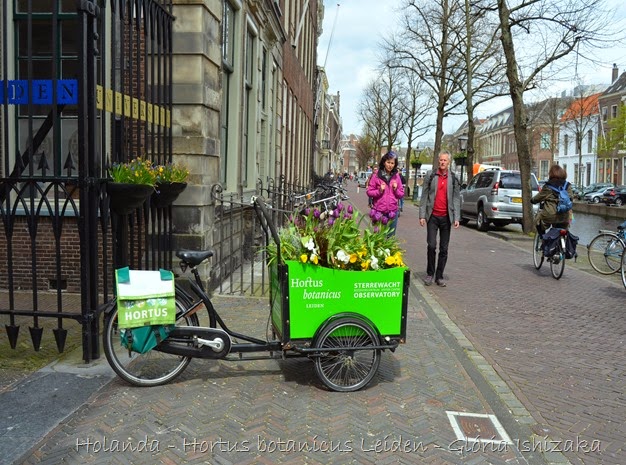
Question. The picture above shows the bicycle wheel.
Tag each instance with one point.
(624, 269)
(605, 253)
(150, 369)
(557, 264)
(351, 365)
(537, 252)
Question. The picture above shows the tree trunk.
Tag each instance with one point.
(520, 120)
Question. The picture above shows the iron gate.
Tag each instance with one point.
(84, 84)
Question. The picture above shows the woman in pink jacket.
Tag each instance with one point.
(385, 189)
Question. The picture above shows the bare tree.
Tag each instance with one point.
(365, 150)
(416, 106)
(372, 112)
(484, 77)
(425, 45)
(550, 30)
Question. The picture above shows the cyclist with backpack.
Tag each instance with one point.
(556, 198)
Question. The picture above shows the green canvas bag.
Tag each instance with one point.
(146, 307)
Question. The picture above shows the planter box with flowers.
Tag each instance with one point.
(329, 265)
(133, 182)
(130, 185)
(171, 180)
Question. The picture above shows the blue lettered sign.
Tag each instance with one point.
(17, 92)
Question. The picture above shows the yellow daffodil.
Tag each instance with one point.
(303, 258)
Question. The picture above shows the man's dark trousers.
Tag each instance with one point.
(441, 224)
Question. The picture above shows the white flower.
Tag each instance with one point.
(342, 256)
(374, 263)
(310, 245)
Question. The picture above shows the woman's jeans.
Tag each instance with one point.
(443, 225)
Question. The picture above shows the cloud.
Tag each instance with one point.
(354, 54)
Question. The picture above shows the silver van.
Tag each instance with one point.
(361, 178)
(494, 196)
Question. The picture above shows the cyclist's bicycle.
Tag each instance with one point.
(557, 260)
(606, 249)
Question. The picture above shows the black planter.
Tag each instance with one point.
(460, 161)
(165, 194)
(126, 198)
(416, 165)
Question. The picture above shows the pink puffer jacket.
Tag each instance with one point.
(386, 201)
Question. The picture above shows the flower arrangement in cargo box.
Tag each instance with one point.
(335, 239)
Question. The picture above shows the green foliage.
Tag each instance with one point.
(171, 172)
(614, 135)
(335, 239)
(136, 171)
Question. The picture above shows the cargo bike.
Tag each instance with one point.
(341, 320)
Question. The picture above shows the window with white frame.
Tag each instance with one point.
(545, 141)
(590, 141)
(565, 144)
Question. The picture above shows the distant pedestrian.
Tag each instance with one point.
(385, 189)
(440, 208)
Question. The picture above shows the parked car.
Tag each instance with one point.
(494, 196)
(361, 178)
(596, 196)
(576, 191)
(614, 196)
(594, 188)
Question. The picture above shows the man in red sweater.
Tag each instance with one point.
(440, 208)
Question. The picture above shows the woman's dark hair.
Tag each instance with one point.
(388, 156)
(557, 172)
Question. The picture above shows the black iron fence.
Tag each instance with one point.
(240, 238)
(84, 84)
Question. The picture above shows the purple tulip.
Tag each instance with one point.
(391, 215)
(372, 213)
(378, 216)
(307, 211)
(340, 206)
(376, 229)
(348, 216)
(331, 221)
(385, 220)
(350, 209)
(316, 213)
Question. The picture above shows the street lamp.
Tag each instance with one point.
(415, 176)
(463, 148)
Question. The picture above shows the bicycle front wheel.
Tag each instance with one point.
(624, 269)
(605, 253)
(537, 252)
(150, 369)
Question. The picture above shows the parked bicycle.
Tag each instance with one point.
(623, 268)
(606, 249)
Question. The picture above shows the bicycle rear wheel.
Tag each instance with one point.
(537, 252)
(351, 363)
(150, 369)
(557, 264)
(605, 253)
(624, 269)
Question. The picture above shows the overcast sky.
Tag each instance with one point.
(353, 54)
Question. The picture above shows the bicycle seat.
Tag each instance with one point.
(194, 257)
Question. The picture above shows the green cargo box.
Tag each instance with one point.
(303, 297)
